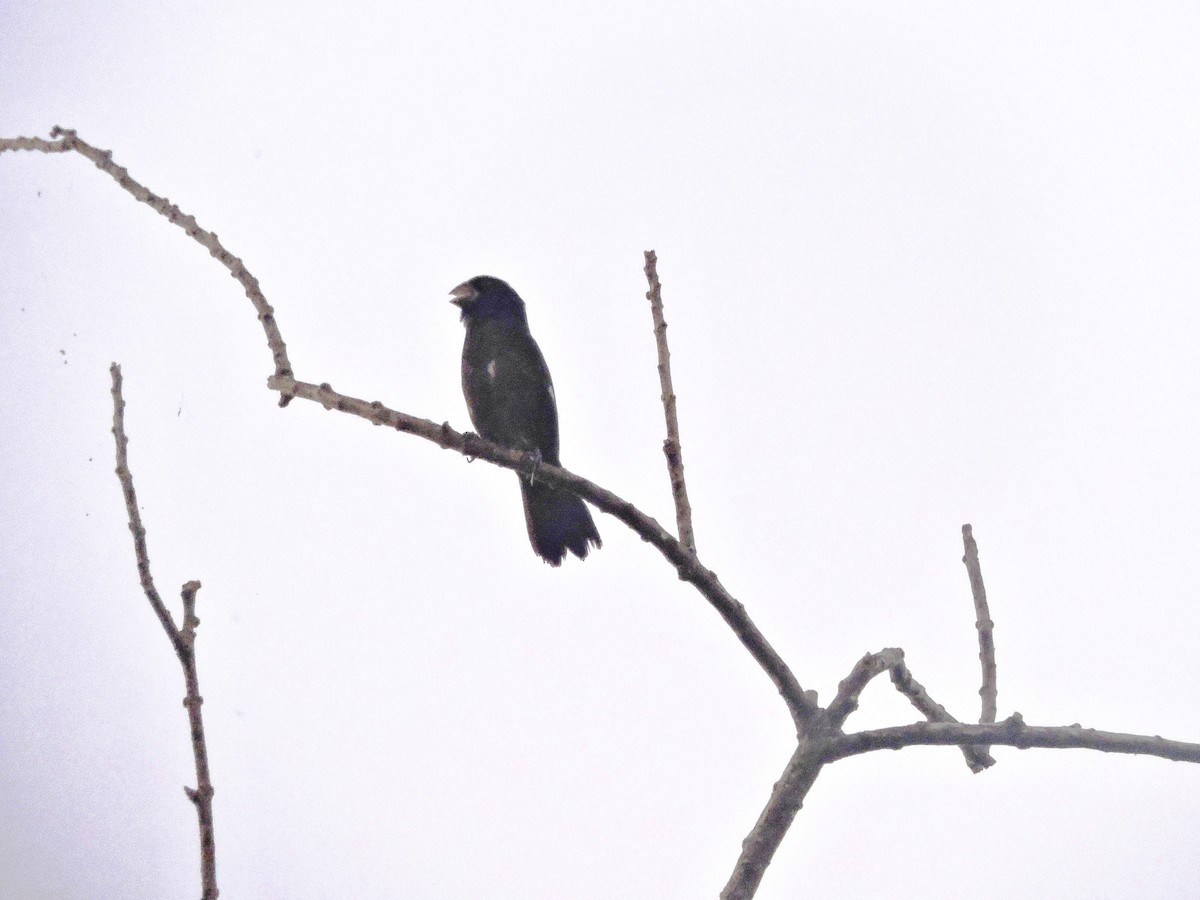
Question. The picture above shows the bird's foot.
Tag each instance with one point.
(536, 460)
(470, 438)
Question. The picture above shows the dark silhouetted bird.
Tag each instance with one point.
(511, 401)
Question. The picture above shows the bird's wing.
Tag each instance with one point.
(510, 395)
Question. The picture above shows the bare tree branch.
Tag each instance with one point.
(135, 517)
(787, 797)
(983, 625)
(977, 757)
(820, 739)
(891, 660)
(672, 448)
(851, 688)
(183, 640)
(802, 705)
(1012, 732)
(69, 141)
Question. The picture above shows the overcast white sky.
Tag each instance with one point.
(924, 264)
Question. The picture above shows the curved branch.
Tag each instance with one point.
(852, 686)
(801, 704)
(69, 141)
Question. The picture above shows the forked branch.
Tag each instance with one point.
(820, 738)
(183, 640)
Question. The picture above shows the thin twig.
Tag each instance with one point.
(891, 660)
(851, 688)
(182, 640)
(977, 757)
(983, 626)
(70, 141)
(135, 517)
(672, 448)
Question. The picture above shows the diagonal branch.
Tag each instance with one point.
(801, 704)
(977, 757)
(183, 640)
(672, 447)
(788, 793)
(851, 688)
(787, 797)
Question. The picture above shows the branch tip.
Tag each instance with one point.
(983, 626)
(672, 447)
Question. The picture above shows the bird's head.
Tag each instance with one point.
(485, 297)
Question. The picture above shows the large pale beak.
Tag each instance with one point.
(463, 294)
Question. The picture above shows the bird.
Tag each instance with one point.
(510, 399)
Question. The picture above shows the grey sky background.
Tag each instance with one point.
(924, 264)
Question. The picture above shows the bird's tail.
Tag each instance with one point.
(557, 521)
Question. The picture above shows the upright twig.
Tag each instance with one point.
(672, 448)
(183, 640)
(983, 625)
